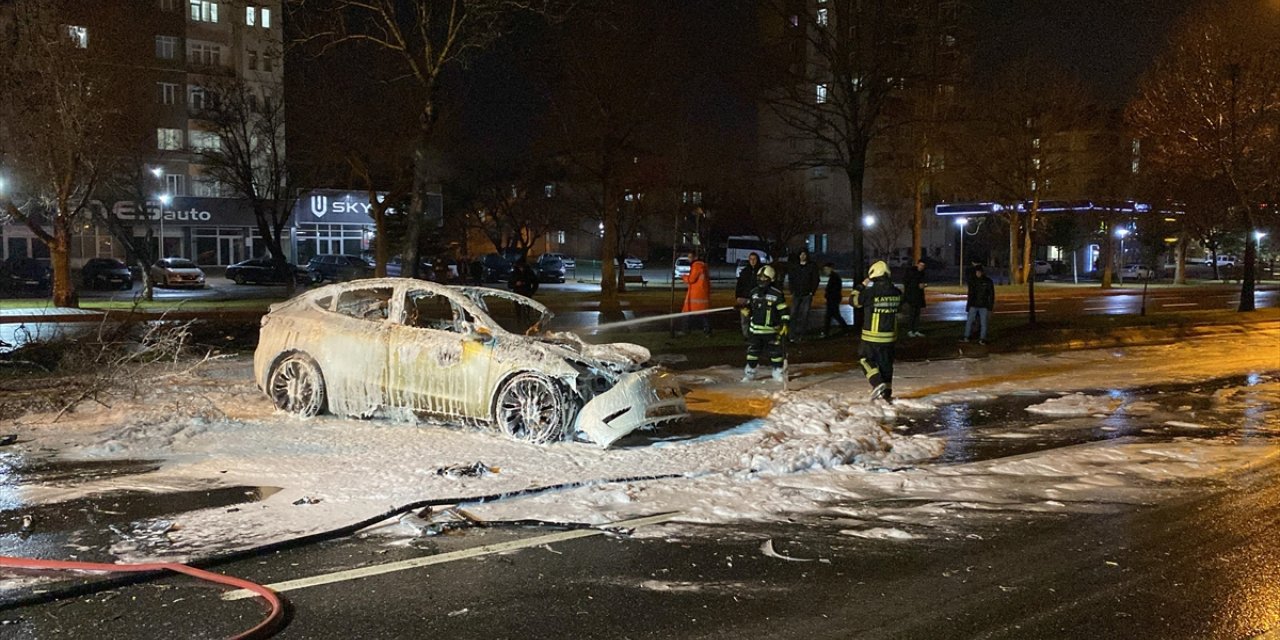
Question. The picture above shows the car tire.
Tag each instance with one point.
(296, 385)
(240, 279)
(531, 407)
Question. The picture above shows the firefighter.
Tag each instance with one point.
(880, 301)
(767, 318)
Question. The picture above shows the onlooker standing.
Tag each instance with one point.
(524, 281)
(982, 299)
(913, 285)
(880, 301)
(748, 280)
(834, 296)
(804, 282)
(698, 296)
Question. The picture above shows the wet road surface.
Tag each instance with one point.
(1205, 564)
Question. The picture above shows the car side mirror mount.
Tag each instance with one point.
(481, 334)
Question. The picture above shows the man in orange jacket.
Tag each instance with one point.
(698, 296)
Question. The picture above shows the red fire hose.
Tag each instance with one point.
(263, 629)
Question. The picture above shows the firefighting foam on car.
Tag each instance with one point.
(467, 355)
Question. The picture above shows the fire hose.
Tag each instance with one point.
(271, 624)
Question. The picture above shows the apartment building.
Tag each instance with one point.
(167, 58)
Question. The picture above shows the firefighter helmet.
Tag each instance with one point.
(767, 272)
(878, 269)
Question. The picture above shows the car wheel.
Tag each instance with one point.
(530, 407)
(240, 279)
(297, 386)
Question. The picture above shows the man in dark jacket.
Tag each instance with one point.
(880, 301)
(834, 296)
(747, 282)
(769, 318)
(982, 299)
(803, 276)
(913, 285)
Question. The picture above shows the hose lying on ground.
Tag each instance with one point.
(264, 629)
(145, 572)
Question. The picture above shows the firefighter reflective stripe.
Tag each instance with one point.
(869, 368)
(882, 318)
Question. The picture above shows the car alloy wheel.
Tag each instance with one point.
(531, 408)
(240, 279)
(297, 386)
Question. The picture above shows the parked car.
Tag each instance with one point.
(1043, 268)
(106, 273)
(177, 272)
(1137, 271)
(569, 263)
(496, 267)
(262, 271)
(549, 269)
(416, 346)
(395, 269)
(338, 268)
(25, 275)
(633, 263)
(683, 265)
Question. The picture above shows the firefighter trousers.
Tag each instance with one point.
(769, 347)
(877, 362)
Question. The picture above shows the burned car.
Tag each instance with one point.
(468, 355)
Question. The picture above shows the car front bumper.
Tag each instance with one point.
(639, 400)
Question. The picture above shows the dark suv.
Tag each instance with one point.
(26, 275)
(102, 273)
(337, 268)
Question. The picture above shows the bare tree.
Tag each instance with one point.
(55, 129)
(132, 180)
(513, 214)
(1018, 146)
(775, 209)
(833, 73)
(425, 39)
(1211, 108)
(244, 152)
(397, 179)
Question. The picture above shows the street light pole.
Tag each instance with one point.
(1121, 233)
(165, 200)
(962, 223)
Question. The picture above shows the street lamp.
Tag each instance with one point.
(157, 172)
(962, 223)
(868, 221)
(165, 200)
(1257, 235)
(1121, 233)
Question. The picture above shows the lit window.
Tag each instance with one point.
(550, 191)
(203, 140)
(79, 36)
(697, 197)
(822, 17)
(1035, 143)
(168, 92)
(168, 139)
(266, 18)
(795, 21)
(204, 11)
(166, 47)
(173, 182)
(821, 93)
(250, 15)
(560, 237)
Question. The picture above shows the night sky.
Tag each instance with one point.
(1108, 43)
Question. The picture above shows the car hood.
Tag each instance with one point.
(182, 271)
(617, 357)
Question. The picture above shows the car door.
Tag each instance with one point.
(438, 364)
(353, 352)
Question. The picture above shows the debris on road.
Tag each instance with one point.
(473, 470)
(8, 439)
(767, 549)
(307, 500)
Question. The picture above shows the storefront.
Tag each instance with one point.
(331, 221)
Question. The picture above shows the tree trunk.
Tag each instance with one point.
(1247, 281)
(1028, 260)
(1180, 260)
(1013, 248)
(917, 223)
(380, 240)
(64, 292)
(421, 182)
(1106, 249)
(609, 271)
(856, 172)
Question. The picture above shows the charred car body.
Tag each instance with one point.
(464, 354)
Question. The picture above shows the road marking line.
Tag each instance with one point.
(1099, 308)
(1181, 304)
(483, 550)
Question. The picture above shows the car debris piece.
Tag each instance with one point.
(473, 470)
(8, 439)
(471, 356)
(766, 548)
(307, 500)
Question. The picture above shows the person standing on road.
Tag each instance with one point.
(769, 318)
(747, 282)
(698, 296)
(880, 301)
(803, 277)
(982, 299)
(834, 295)
(913, 285)
(524, 281)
